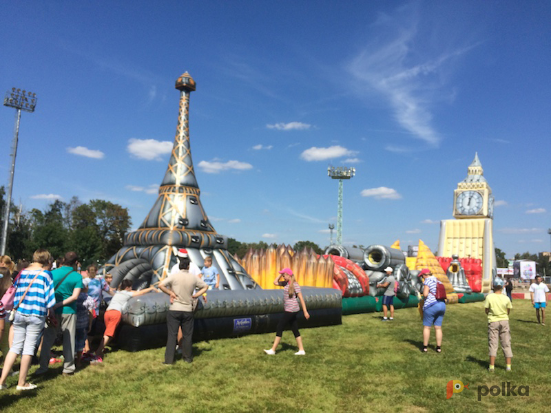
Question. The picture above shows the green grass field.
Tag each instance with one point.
(362, 365)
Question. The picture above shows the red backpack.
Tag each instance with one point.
(440, 291)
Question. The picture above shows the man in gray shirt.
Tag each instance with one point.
(388, 297)
(180, 287)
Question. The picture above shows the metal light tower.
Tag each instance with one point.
(331, 228)
(340, 173)
(549, 232)
(19, 100)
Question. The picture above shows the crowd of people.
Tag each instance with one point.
(44, 304)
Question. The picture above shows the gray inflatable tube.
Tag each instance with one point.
(353, 254)
(378, 257)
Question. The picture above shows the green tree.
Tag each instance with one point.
(300, 245)
(233, 246)
(501, 261)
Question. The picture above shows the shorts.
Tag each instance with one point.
(388, 300)
(539, 305)
(80, 339)
(434, 315)
(27, 330)
(112, 319)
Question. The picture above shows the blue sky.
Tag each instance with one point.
(406, 92)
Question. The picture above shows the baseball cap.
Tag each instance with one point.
(287, 271)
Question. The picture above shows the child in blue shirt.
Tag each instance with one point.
(210, 274)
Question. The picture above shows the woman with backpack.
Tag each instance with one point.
(434, 308)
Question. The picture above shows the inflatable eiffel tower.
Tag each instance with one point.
(177, 220)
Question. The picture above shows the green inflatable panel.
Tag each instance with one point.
(471, 298)
(411, 301)
(359, 305)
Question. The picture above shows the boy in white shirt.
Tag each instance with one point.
(538, 291)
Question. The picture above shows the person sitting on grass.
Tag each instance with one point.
(210, 274)
(498, 307)
(538, 291)
(113, 314)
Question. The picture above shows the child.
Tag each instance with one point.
(210, 274)
(290, 294)
(113, 314)
(538, 292)
(85, 315)
(498, 307)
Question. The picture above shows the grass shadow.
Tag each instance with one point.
(527, 321)
(11, 396)
(471, 359)
(419, 344)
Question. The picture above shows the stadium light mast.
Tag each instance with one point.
(549, 232)
(331, 228)
(341, 173)
(19, 100)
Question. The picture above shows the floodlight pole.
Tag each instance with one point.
(340, 173)
(19, 100)
(549, 232)
(331, 228)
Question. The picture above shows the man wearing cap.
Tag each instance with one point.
(181, 289)
(388, 297)
(181, 254)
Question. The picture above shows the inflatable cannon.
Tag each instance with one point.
(224, 314)
(456, 275)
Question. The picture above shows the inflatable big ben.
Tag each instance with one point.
(470, 234)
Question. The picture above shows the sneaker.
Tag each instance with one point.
(3, 387)
(384, 319)
(270, 352)
(491, 369)
(97, 360)
(39, 372)
(391, 318)
(508, 369)
(300, 353)
(542, 324)
(27, 386)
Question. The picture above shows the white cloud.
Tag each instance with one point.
(520, 230)
(429, 221)
(289, 126)
(500, 203)
(352, 160)
(234, 221)
(149, 149)
(413, 231)
(324, 231)
(381, 193)
(397, 65)
(537, 240)
(322, 154)
(270, 236)
(151, 189)
(48, 197)
(260, 147)
(215, 167)
(536, 211)
(88, 153)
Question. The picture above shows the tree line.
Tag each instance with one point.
(94, 230)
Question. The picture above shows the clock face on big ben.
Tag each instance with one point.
(469, 203)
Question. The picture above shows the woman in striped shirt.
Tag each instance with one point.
(433, 310)
(30, 316)
(290, 304)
